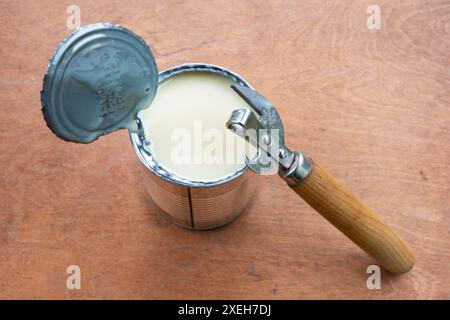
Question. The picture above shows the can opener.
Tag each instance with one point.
(262, 127)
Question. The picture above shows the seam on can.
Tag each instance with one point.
(190, 208)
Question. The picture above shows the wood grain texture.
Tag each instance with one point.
(370, 106)
(358, 222)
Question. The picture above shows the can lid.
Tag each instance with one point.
(97, 81)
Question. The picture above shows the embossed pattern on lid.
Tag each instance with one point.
(97, 81)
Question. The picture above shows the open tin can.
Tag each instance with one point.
(98, 80)
(194, 204)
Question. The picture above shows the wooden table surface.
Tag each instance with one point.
(373, 107)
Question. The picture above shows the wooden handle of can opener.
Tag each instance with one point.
(352, 217)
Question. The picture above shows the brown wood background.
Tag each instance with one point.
(370, 106)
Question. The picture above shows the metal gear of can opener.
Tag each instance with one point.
(263, 129)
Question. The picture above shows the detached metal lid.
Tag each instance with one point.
(97, 81)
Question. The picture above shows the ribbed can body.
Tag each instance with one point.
(200, 208)
(195, 205)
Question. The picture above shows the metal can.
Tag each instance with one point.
(193, 204)
(97, 81)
